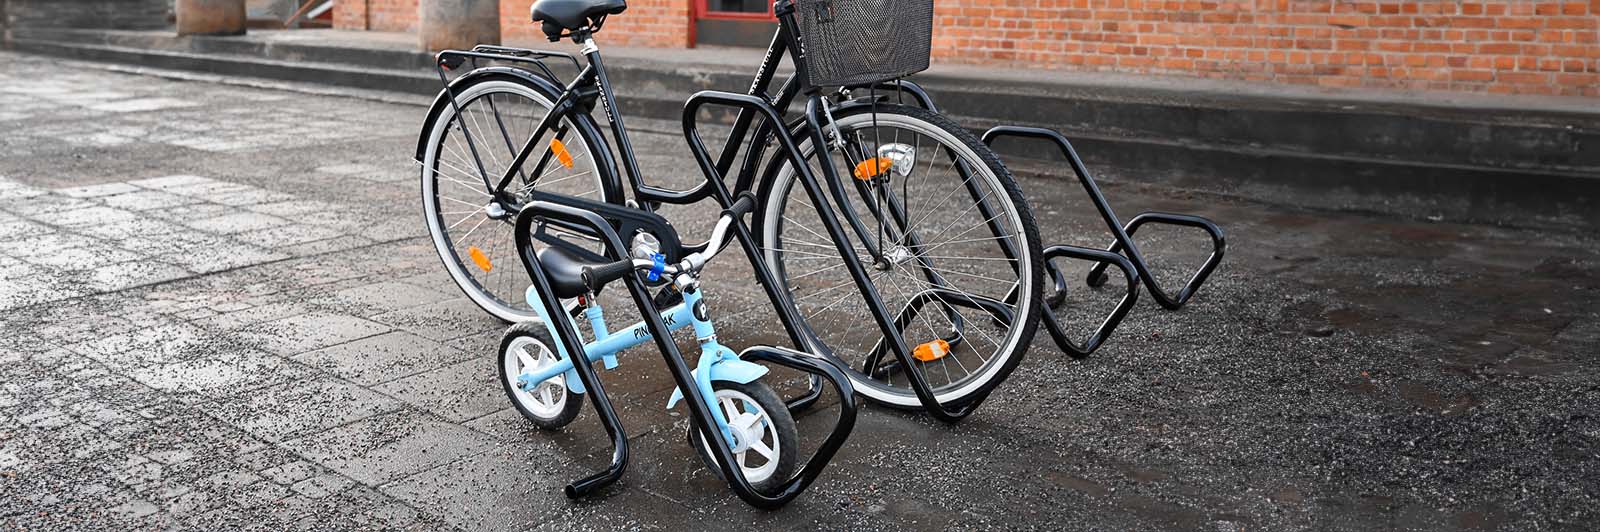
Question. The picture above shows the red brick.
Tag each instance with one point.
(1492, 46)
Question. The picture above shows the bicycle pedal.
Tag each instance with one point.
(931, 351)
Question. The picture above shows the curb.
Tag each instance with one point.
(1452, 158)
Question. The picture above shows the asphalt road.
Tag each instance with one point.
(220, 312)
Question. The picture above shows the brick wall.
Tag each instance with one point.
(376, 15)
(1499, 46)
(656, 23)
(1521, 46)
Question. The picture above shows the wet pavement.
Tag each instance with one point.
(220, 311)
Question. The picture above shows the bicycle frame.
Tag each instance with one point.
(714, 357)
(654, 327)
(591, 84)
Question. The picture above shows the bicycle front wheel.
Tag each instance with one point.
(936, 221)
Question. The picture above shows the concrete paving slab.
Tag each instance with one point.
(288, 235)
(171, 181)
(97, 255)
(237, 223)
(111, 278)
(384, 448)
(90, 216)
(307, 332)
(95, 191)
(459, 392)
(383, 358)
(216, 259)
(387, 296)
(141, 105)
(147, 199)
(213, 378)
(162, 344)
(441, 321)
(515, 490)
(302, 407)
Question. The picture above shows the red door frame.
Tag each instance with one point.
(702, 10)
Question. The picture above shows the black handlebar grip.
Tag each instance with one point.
(597, 276)
(742, 206)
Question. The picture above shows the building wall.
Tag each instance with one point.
(1517, 46)
(1495, 46)
(655, 23)
(375, 15)
(658, 23)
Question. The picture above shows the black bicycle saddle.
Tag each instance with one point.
(560, 16)
(564, 271)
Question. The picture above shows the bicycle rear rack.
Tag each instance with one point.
(1123, 252)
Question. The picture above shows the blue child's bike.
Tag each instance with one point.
(741, 428)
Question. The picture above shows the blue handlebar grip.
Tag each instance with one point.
(659, 266)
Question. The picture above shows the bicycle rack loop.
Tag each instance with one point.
(1122, 252)
(820, 199)
(585, 220)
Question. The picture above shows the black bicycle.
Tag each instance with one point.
(903, 217)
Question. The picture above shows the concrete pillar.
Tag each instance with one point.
(458, 24)
(210, 17)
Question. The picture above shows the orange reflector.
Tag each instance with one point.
(561, 152)
(872, 168)
(931, 351)
(480, 259)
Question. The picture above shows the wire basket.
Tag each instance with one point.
(856, 42)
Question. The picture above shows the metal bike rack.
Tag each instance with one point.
(814, 189)
(1122, 253)
(580, 219)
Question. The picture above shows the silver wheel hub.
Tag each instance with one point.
(899, 255)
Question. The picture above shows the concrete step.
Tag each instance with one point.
(1457, 156)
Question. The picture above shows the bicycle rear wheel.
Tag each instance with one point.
(935, 218)
(499, 112)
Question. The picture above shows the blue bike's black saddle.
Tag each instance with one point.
(563, 269)
(569, 15)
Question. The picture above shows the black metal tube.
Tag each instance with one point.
(608, 100)
(574, 346)
(1107, 325)
(1121, 239)
(438, 65)
(880, 314)
(557, 110)
(1218, 246)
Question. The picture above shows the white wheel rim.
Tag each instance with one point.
(776, 203)
(760, 444)
(528, 354)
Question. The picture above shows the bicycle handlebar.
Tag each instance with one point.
(596, 276)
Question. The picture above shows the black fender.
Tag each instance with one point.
(582, 121)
